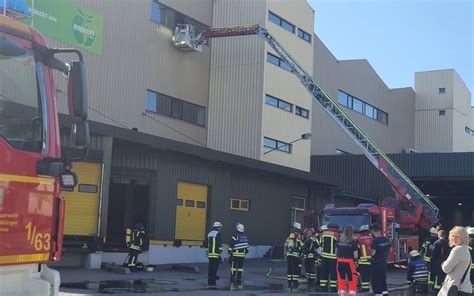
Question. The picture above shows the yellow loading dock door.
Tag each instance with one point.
(191, 212)
(82, 204)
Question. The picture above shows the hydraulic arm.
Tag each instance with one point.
(421, 210)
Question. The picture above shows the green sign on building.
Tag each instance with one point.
(64, 21)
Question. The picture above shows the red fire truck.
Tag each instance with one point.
(403, 236)
(32, 170)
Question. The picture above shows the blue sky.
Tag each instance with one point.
(400, 37)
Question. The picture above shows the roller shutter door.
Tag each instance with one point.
(191, 211)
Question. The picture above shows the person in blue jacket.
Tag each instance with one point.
(417, 275)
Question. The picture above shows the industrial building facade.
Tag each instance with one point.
(181, 139)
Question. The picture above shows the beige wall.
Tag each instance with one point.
(276, 123)
(435, 133)
(358, 78)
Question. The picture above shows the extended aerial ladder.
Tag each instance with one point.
(419, 210)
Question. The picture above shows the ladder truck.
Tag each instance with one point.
(32, 171)
(413, 207)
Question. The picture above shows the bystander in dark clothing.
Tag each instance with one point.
(439, 253)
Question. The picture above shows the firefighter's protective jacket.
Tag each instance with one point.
(293, 245)
(365, 242)
(214, 244)
(417, 270)
(328, 240)
(239, 245)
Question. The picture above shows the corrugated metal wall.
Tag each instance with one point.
(358, 176)
(269, 196)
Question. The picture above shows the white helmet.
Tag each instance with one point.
(217, 224)
(470, 230)
(364, 228)
(414, 253)
(240, 227)
(323, 228)
(433, 230)
(297, 225)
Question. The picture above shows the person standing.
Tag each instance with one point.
(134, 240)
(470, 231)
(439, 253)
(378, 267)
(328, 240)
(425, 252)
(347, 254)
(310, 247)
(293, 250)
(238, 248)
(365, 242)
(214, 250)
(457, 266)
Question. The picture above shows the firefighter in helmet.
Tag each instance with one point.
(214, 250)
(328, 240)
(293, 248)
(365, 242)
(310, 248)
(134, 240)
(238, 248)
(417, 275)
(425, 253)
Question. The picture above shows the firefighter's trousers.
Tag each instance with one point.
(131, 261)
(378, 278)
(364, 270)
(292, 274)
(212, 270)
(328, 273)
(237, 269)
(346, 271)
(438, 276)
(309, 270)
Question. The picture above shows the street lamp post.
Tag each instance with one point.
(305, 136)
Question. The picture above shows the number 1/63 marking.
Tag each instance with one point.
(40, 241)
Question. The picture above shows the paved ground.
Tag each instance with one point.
(262, 277)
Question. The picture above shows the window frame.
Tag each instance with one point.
(239, 208)
(299, 112)
(281, 22)
(303, 35)
(278, 145)
(347, 100)
(442, 90)
(281, 62)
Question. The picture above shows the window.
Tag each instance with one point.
(179, 202)
(297, 209)
(169, 18)
(189, 203)
(176, 108)
(281, 22)
(301, 112)
(303, 35)
(362, 107)
(357, 105)
(276, 145)
(278, 103)
(239, 204)
(442, 90)
(87, 188)
(442, 112)
(200, 205)
(278, 62)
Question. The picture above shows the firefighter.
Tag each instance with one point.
(310, 249)
(378, 263)
(329, 238)
(214, 249)
(347, 254)
(425, 252)
(134, 240)
(365, 242)
(470, 231)
(417, 275)
(439, 253)
(293, 250)
(317, 262)
(238, 248)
